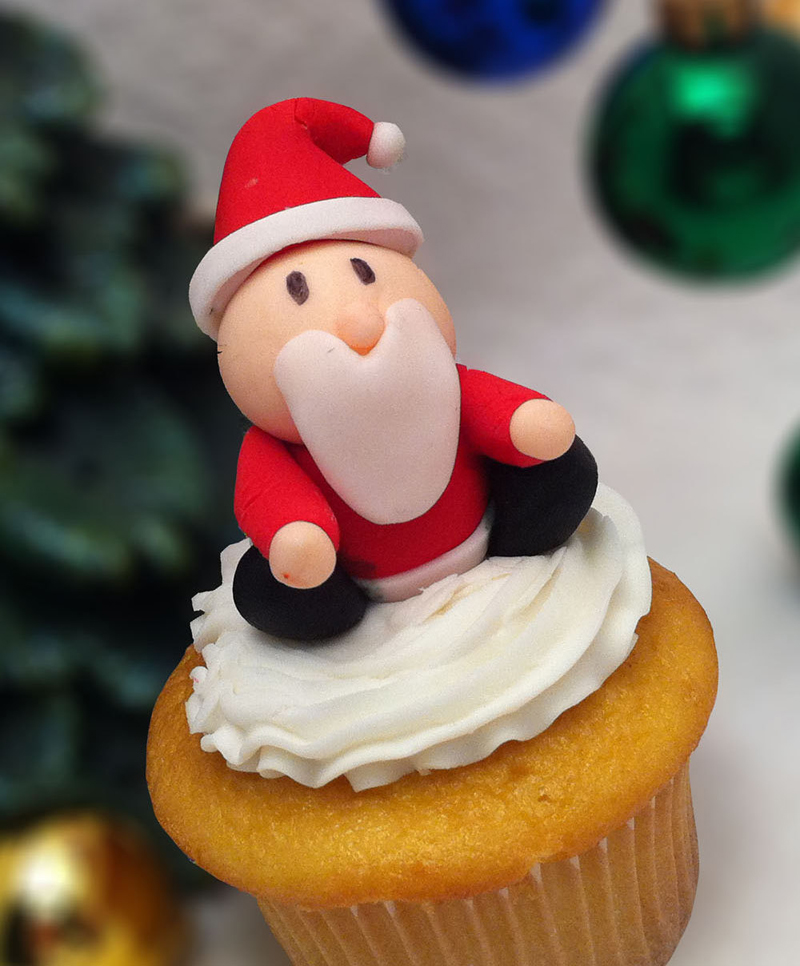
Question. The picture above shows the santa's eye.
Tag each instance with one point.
(297, 286)
(363, 270)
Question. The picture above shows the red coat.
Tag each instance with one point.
(278, 483)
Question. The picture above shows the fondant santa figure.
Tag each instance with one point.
(375, 464)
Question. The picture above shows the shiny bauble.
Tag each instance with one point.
(84, 890)
(789, 488)
(493, 39)
(783, 15)
(694, 159)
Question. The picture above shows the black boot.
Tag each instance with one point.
(539, 507)
(301, 615)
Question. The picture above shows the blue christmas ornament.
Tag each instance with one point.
(493, 39)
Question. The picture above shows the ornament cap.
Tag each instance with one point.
(784, 14)
(701, 23)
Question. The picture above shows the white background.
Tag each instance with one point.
(685, 395)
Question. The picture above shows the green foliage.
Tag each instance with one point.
(45, 86)
(113, 483)
(117, 441)
(46, 79)
(20, 384)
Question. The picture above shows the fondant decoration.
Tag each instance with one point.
(436, 681)
(297, 287)
(493, 39)
(363, 270)
(284, 182)
(366, 419)
(313, 614)
(371, 449)
(536, 510)
(463, 557)
(695, 154)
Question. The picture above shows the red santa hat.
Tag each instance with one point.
(285, 182)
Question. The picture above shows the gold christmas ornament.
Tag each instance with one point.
(85, 890)
(783, 14)
(698, 23)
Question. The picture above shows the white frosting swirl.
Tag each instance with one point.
(437, 681)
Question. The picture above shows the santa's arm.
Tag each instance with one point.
(283, 512)
(510, 423)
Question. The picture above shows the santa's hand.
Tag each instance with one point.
(542, 429)
(301, 555)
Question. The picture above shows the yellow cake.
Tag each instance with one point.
(582, 833)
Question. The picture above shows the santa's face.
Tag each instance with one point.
(340, 287)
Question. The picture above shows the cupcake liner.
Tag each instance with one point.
(625, 902)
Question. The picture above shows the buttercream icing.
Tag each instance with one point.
(436, 681)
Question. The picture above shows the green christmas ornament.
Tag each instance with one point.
(695, 156)
(789, 487)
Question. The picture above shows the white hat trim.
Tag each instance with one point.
(386, 146)
(226, 266)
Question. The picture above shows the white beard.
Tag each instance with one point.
(383, 427)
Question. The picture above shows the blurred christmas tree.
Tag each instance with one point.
(117, 441)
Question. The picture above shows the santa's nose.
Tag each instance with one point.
(360, 326)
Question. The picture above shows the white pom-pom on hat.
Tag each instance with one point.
(386, 146)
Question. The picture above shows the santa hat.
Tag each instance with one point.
(285, 182)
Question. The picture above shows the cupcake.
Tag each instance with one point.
(441, 706)
(483, 847)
